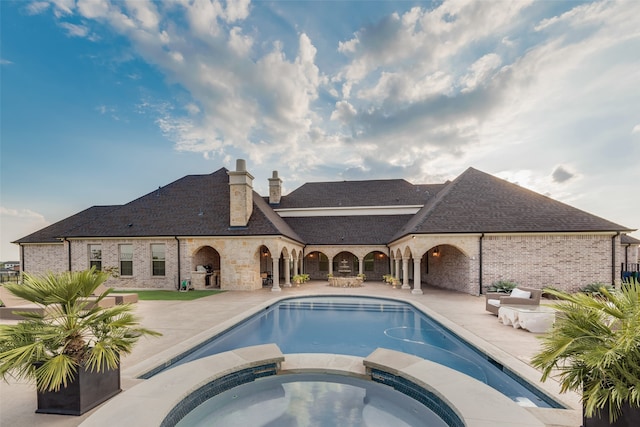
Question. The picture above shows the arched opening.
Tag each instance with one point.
(205, 268)
(266, 266)
(345, 264)
(445, 266)
(376, 265)
(316, 265)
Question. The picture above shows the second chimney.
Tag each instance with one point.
(275, 189)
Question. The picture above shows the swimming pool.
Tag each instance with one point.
(357, 326)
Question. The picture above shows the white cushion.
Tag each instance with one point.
(519, 293)
(494, 302)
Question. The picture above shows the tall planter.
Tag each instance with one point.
(630, 417)
(593, 349)
(87, 390)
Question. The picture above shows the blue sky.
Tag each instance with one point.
(104, 101)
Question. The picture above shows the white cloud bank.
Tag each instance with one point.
(507, 87)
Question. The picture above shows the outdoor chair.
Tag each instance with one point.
(519, 296)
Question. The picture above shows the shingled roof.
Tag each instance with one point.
(195, 205)
(476, 202)
(392, 192)
(625, 239)
(54, 232)
(348, 230)
(198, 205)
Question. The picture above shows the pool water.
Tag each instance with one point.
(311, 400)
(357, 326)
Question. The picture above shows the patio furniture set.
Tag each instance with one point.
(521, 309)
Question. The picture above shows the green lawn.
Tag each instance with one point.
(163, 295)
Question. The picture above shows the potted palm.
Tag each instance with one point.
(594, 349)
(72, 348)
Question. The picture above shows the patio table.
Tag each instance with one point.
(531, 318)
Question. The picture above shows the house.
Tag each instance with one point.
(630, 266)
(215, 231)
(11, 265)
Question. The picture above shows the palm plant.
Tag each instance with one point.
(73, 332)
(594, 289)
(502, 286)
(594, 348)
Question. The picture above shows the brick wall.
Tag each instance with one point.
(142, 268)
(45, 258)
(566, 262)
(449, 270)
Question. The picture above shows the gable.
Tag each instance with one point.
(477, 202)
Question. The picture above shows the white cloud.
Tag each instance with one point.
(203, 18)
(145, 13)
(74, 30)
(240, 43)
(92, 9)
(636, 129)
(15, 224)
(5, 62)
(63, 7)
(344, 112)
(237, 10)
(37, 7)
(480, 71)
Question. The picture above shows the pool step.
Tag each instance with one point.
(367, 307)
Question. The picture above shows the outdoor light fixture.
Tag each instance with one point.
(436, 252)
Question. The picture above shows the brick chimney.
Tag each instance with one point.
(275, 189)
(241, 195)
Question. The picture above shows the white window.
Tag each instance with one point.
(95, 256)
(126, 260)
(157, 259)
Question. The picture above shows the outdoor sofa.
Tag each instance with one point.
(519, 296)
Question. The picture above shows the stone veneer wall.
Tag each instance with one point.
(566, 262)
(239, 259)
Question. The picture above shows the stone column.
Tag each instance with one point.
(275, 275)
(360, 265)
(287, 272)
(396, 268)
(405, 273)
(330, 265)
(416, 277)
(295, 266)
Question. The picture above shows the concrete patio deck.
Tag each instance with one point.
(184, 322)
